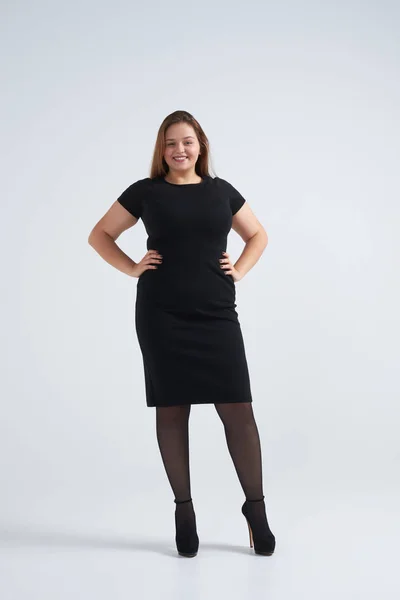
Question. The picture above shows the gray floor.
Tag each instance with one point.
(329, 546)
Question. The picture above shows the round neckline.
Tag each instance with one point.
(203, 180)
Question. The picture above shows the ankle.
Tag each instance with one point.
(257, 500)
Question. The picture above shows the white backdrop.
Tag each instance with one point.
(300, 102)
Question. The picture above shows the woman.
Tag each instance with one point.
(187, 326)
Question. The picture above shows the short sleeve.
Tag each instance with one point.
(132, 198)
(236, 199)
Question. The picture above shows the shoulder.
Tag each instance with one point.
(225, 185)
(236, 199)
(133, 196)
(140, 185)
(221, 183)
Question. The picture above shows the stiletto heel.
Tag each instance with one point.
(261, 537)
(250, 534)
(186, 538)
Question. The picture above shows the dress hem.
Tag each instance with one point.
(199, 403)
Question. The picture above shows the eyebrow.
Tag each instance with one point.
(188, 136)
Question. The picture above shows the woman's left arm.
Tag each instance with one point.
(246, 224)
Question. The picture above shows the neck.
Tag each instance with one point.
(180, 178)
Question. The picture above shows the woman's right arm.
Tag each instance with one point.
(103, 235)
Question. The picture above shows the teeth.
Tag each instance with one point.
(182, 158)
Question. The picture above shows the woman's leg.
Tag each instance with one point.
(244, 445)
(172, 427)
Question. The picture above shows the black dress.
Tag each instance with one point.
(187, 326)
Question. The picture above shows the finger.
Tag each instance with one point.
(155, 256)
(152, 259)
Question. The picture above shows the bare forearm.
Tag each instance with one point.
(107, 248)
(252, 251)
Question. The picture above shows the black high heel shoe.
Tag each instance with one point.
(187, 540)
(264, 539)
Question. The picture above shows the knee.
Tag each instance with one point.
(236, 413)
(171, 415)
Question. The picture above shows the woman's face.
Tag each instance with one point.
(181, 141)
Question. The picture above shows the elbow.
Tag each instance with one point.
(92, 236)
(263, 236)
(97, 234)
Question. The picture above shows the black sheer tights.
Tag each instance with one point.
(243, 442)
(172, 426)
